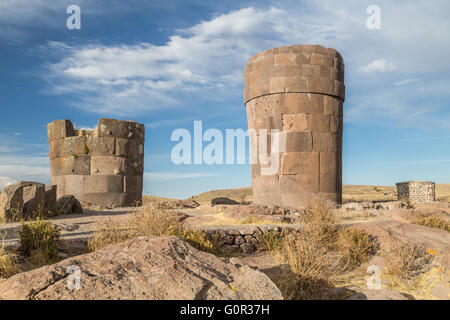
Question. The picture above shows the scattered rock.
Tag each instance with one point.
(33, 199)
(227, 201)
(51, 204)
(153, 268)
(69, 204)
(188, 204)
(11, 201)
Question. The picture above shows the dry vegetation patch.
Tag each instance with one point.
(9, 265)
(150, 221)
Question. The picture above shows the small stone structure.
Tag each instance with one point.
(103, 167)
(416, 191)
(298, 90)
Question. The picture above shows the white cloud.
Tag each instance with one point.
(6, 181)
(407, 81)
(205, 62)
(379, 65)
(166, 176)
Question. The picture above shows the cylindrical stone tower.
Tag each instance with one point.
(298, 90)
(103, 167)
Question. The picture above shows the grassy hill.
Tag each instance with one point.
(350, 193)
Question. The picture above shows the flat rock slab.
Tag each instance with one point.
(144, 268)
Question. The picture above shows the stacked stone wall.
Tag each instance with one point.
(299, 91)
(417, 191)
(103, 167)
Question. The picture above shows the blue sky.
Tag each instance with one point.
(168, 63)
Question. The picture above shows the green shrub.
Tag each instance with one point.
(270, 240)
(40, 241)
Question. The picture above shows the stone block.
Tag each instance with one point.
(121, 147)
(319, 122)
(103, 183)
(107, 165)
(134, 166)
(300, 163)
(329, 162)
(328, 183)
(121, 129)
(71, 185)
(105, 199)
(101, 146)
(316, 59)
(11, 202)
(301, 103)
(324, 141)
(59, 129)
(133, 184)
(295, 122)
(296, 84)
(298, 141)
(297, 189)
(284, 58)
(51, 203)
(33, 200)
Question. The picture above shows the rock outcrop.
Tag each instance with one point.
(144, 268)
(68, 205)
(11, 201)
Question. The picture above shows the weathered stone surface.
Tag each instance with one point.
(417, 191)
(108, 160)
(51, 203)
(60, 129)
(157, 268)
(11, 201)
(69, 204)
(33, 199)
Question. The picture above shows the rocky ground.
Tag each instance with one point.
(239, 225)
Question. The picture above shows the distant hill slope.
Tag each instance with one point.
(350, 193)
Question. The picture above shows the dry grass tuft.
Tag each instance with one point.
(9, 265)
(271, 241)
(321, 223)
(306, 273)
(150, 222)
(433, 222)
(404, 261)
(355, 246)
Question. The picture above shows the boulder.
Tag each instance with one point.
(153, 268)
(33, 198)
(223, 201)
(69, 204)
(188, 203)
(11, 201)
(51, 204)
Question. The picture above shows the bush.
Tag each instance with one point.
(40, 241)
(271, 241)
(306, 274)
(433, 222)
(321, 224)
(404, 261)
(8, 263)
(355, 246)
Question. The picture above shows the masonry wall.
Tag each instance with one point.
(298, 90)
(417, 191)
(103, 167)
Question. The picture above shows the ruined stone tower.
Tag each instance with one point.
(298, 90)
(103, 167)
